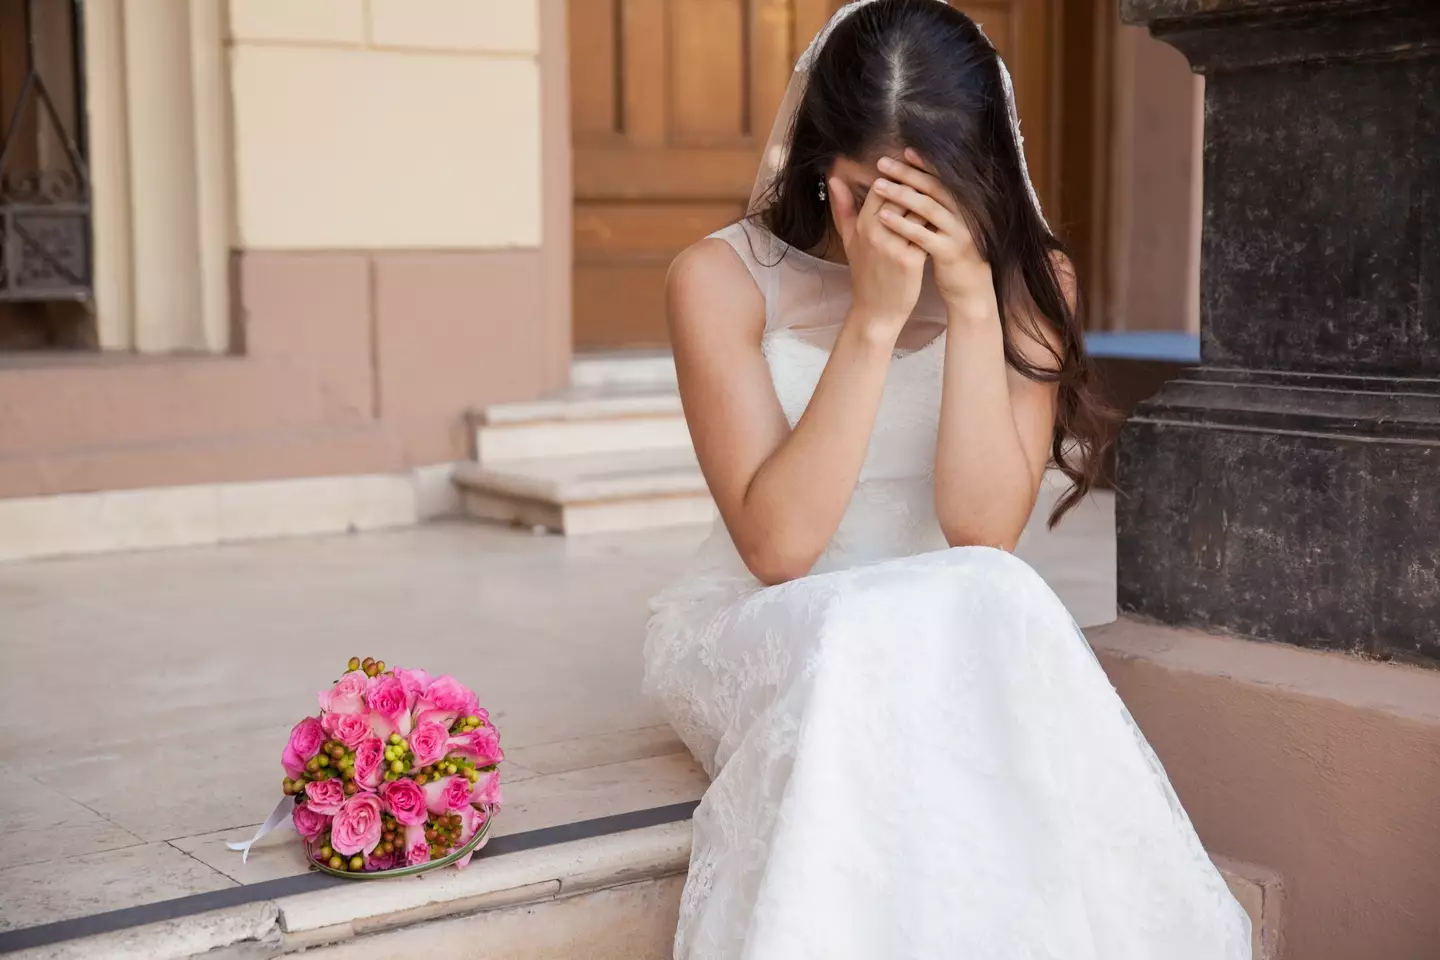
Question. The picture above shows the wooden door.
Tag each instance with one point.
(1024, 33)
(671, 101)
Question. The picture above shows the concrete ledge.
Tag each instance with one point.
(366, 912)
(1405, 692)
(1262, 895)
(75, 524)
(572, 867)
(1323, 767)
(609, 896)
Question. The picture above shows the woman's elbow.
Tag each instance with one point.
(969, 535)
(774, 562)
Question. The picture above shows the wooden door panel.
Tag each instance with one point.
(594, 95)
(624, 304)
(1024, 33)
(620, 229)
(708, 75)
(641, 58)
(629, 247)
(672, 101)
(664, 173)
(667, 134)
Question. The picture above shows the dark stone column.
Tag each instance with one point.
(1289, 487)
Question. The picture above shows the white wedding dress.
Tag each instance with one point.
(914, 752)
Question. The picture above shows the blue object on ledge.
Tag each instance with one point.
(1166, 345)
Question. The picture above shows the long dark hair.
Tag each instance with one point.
(920, 74)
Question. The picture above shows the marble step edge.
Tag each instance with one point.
(589, 479)
(339, 914)
(582, 405)
(552, 439)
(634, 368)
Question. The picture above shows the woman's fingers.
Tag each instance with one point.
(912, 200)
(914, 231)
(916, 174)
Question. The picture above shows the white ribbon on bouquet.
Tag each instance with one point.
(279, 815)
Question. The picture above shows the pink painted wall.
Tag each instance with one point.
(1321, 767)
(1155, 217)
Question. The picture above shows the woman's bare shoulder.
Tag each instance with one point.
(709, 289)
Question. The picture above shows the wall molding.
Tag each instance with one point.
(158, 109)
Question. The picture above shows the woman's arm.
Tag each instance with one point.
(782, 492)
(995, 431)
(996, 425)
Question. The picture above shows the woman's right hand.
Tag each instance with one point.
(885, 268)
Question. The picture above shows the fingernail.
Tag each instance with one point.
(886, 163)
(881, 185)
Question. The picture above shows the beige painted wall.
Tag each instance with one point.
(396, 247)
(387, 124)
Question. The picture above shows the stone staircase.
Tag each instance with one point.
(612, 896)
(611, 453)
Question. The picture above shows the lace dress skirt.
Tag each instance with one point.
(921, 758)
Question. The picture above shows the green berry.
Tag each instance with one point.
(336, 863)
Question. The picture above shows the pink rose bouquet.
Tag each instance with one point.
(399, 771)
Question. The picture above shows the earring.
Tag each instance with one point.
(824, 195)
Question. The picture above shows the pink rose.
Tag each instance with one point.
(351, 729)
(306, 738)
(417, 850)
(444, 700)
(325, 796)
(382, 861)
(370, 763)
(486, 792)
(309, 823)
(481, 745)
(389, 707)
(470, 821)
(404, 800)
(428, 741)
(414, 682)
(357, 827)
(348, 694)
(447, 794)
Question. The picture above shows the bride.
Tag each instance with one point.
(914, 753)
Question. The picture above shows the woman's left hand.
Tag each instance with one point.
(934, 224)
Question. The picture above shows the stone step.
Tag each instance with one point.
(594, 493)
(610, 897)
(580, 422)
(624, 369)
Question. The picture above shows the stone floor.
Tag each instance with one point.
(146, 697)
